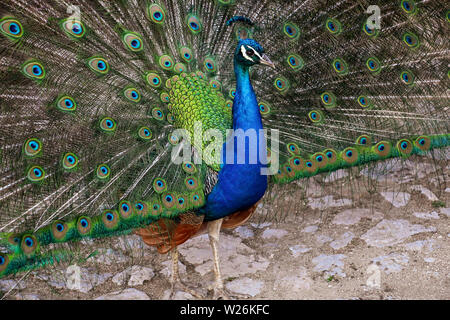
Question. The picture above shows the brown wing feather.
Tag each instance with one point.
(167, 234)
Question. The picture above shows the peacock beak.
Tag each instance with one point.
(266, 61)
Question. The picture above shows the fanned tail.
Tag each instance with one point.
(91, 93)
(344, 93)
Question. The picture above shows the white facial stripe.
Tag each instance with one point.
(244, 53)
(256, 52)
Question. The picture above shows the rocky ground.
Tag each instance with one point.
(378, 233)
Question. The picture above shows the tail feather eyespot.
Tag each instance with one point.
(84, 225)
(291, 30)
(66, 104)
(364, 140)
(328, 99)
(108, 125)
(423, 143)
(404, 147)
(159, 185)
(29, 244)
(350, 155)
(69, 161)
(156, 13)
(11, 28)
(320, 159)
(32, 147)
(331, 155)
(340, 66)
(411, 40)
(75, 29)
(194, 24)
(125, 209)
(333, 26)
(103, 171)
(133, 41)
(34, 70)
(59, 230)
(132, 94)
(110, 219)
(99, 65)
(4, 262)
(36, 174)
(382, 148)
(145, 133)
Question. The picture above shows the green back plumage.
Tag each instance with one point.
(89, 104)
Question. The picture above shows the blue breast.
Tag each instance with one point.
(240, 184)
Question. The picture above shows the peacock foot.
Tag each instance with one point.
(222, 293)
(181, 286)
(177, 284)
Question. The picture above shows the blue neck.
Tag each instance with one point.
(239, 185)
(246, 113)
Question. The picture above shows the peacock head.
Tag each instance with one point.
(249, 53)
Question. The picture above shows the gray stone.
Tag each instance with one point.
(136, 276)
(310, 229)
(87, 241)
(245, 286)
(244, 232)
(313, 189)
(167, 270)
(120, 278)
(445, 211)
(426, 192)
(381, 170)
(353, 216)
(20, 296)
(439, 154)
(78, 279)
(398, 199)
(327, 202)
(179, 295)
(342, 241)
(296, 283)
(429, 260)
(390, 263)
(6, 285)
(331, 264)
(336, 175)
(127, 294)
(425, 245)
(108, 257)
(235, 257)
(133, 245)
(426, 215)
(392, 168)
(274, 233)
(321, 239)
(390, 232)
(139, 274)
(261, 225)
(299, 249)
(125, 243)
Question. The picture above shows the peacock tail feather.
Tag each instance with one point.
(89, 104)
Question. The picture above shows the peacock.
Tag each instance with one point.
(168, 119)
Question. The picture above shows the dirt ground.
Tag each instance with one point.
(382, 233)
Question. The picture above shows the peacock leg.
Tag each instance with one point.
(220, 292)
(175, 280)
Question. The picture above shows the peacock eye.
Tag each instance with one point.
(250, 53)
